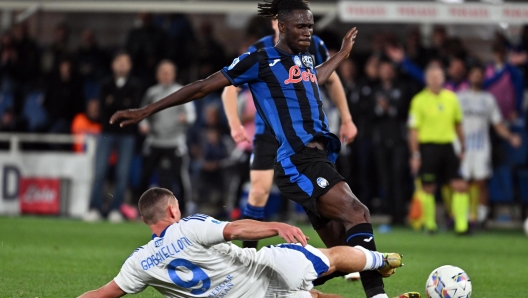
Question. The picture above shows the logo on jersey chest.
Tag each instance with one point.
(307, 61)
(296, 75)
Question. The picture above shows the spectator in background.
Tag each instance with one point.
(361, 104)
(181, 44)
(435, 122)
(63, 97)
(92, 61)
(146, 46)
(505, 82)
(59, 48)
(389, 140)
(8, 57)
(456, 70)
(438, 40)
(26, 65)
(204, 138)
(211, 55)
(415, 50)
(212, 183)
(11, 122)
(480, 111)
(86, 123)
(165, 147)
(519, 54)
(121, 91)
(456, 73)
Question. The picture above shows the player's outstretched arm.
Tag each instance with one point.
(186, 94)
(110, 290)
(247, 229)
(326, 69)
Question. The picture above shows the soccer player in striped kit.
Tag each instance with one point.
(264, 143)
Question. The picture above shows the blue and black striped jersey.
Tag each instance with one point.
(317, 49)
(287, 97)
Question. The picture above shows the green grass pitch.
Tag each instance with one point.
(46, 257)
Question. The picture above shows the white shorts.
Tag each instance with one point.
(476, 165)
(295, 269)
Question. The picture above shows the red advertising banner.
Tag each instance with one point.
(39, 196)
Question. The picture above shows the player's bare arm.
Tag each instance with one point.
(348, 130)
(229, 100)
(514, 139)
(317, 294)
(414, 148)
(460, 134)
(247, 229)
(110, 290)
(186, 94)
(326, 69)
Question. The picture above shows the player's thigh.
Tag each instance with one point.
(467, 166)
(295, 268)
(450, 164)
(305, 177)
(261, 183)
(264, 153)
(340, 204)
(430, 168)
(482, 165)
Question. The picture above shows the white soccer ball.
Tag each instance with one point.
(526, 226)
(448, 282)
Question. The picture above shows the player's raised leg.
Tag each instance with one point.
(355, 259)
(340, 204)
(261, 182)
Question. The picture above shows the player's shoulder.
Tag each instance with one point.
(197, 216)
(420, 96)
(138, 252)
(200, 218)
(461, 95)
(316, 39)
(446, 93)
(264, 41)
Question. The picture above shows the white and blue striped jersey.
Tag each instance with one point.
(191, 259)
(480, 110)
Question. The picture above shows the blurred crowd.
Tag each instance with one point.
(58, 89)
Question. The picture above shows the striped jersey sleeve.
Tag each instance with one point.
(319, 50)
(244, 69)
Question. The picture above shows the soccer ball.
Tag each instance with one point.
(526, 226)
(448, 282)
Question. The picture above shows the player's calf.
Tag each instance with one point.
(356, 259)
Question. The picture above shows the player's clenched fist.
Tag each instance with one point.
(348, 41)
(292, 234)
(127, 117)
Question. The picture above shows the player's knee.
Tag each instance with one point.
(459, 185)
(258, 195)
(356, 211)
(429, 188)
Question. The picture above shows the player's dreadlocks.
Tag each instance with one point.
(280, 8)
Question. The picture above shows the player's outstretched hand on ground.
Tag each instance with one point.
(127, 117)
(292, 234)
(348, 41)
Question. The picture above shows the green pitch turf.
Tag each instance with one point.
(43, 257)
